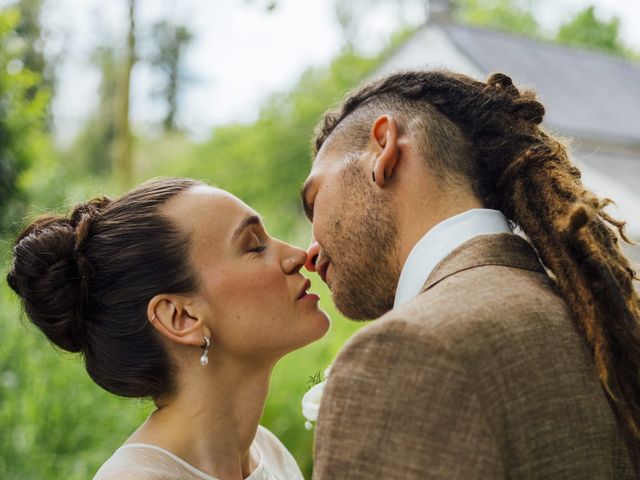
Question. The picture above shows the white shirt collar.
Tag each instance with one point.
(440, 241)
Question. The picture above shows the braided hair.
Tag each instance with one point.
(489, 132)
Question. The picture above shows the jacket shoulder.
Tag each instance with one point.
(505, 336)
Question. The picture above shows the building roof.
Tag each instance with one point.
(587, 94)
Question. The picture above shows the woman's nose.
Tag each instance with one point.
(312, 256)
(294, 261)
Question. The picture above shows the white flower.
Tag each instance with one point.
(311, 401)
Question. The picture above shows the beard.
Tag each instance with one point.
(363, 250)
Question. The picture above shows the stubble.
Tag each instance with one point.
(363, 255)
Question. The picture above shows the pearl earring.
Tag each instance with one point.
(204, 359)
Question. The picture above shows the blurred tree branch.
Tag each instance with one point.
(123, 165)
(170, 42)
(586, 30)
(23, 107)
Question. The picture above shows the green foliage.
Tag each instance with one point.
(32, 45)
(91, 151)
(588, 31)
(508, 15)
(22, 123)
(584, 30)
(170, 41)
(264, 163)
(55, 422)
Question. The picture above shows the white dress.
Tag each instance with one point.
(141, 461)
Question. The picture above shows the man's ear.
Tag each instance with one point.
(384, 138)
(175, 318)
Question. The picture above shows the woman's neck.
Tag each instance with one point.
(212, 421)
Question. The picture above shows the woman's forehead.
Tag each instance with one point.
(209, 214)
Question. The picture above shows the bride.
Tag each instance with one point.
(174, 292)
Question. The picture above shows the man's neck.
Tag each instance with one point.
(421, 219)
(440, 241)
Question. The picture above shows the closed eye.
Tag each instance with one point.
(258, 241)
(305, 193)
(308, 210)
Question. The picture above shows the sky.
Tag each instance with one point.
(241, 52)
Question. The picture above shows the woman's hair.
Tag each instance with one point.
(86, 280)
(489, 134)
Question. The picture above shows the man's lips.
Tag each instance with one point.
(303, 291)
(322, 268)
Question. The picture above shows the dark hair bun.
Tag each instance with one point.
(51, 274)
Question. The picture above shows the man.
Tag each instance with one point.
(484, 363)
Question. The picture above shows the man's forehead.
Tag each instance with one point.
(325, 149)
(331, 153)
(325, 162)
(326, 158)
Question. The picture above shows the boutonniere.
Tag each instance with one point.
(311, 399)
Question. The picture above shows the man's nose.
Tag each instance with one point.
(312, 256)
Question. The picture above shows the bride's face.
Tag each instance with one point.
(252, 296)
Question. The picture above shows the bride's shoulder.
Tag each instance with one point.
(266, 435)
(275, 455)
(267, 442)
(137, 462)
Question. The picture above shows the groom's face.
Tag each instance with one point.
(355, 230)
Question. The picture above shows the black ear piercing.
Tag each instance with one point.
(373, 174)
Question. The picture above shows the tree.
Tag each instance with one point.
(31, 34)
(123, 165)
(92, 150)
(352, 15)
(170, 42)
(509, 15)
(584, 30)
(22, 122)
(588, 31)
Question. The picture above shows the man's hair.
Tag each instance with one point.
(439, 141)
(489, 132)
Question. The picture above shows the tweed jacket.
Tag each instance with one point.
(484, 375)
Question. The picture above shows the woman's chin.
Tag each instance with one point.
(323, 324)
(316, 327)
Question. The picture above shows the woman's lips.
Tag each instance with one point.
(307, 296)
(303, 290)
(310, 296)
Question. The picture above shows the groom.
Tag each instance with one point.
(477, 367)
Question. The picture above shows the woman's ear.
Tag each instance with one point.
(384, 137)
(175, 318)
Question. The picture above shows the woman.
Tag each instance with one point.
(174, 292)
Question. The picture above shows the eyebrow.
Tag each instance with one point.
(248, 221)
(308, 211)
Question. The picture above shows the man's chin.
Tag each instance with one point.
(358, 311)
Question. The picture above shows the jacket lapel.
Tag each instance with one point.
(505, 249)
